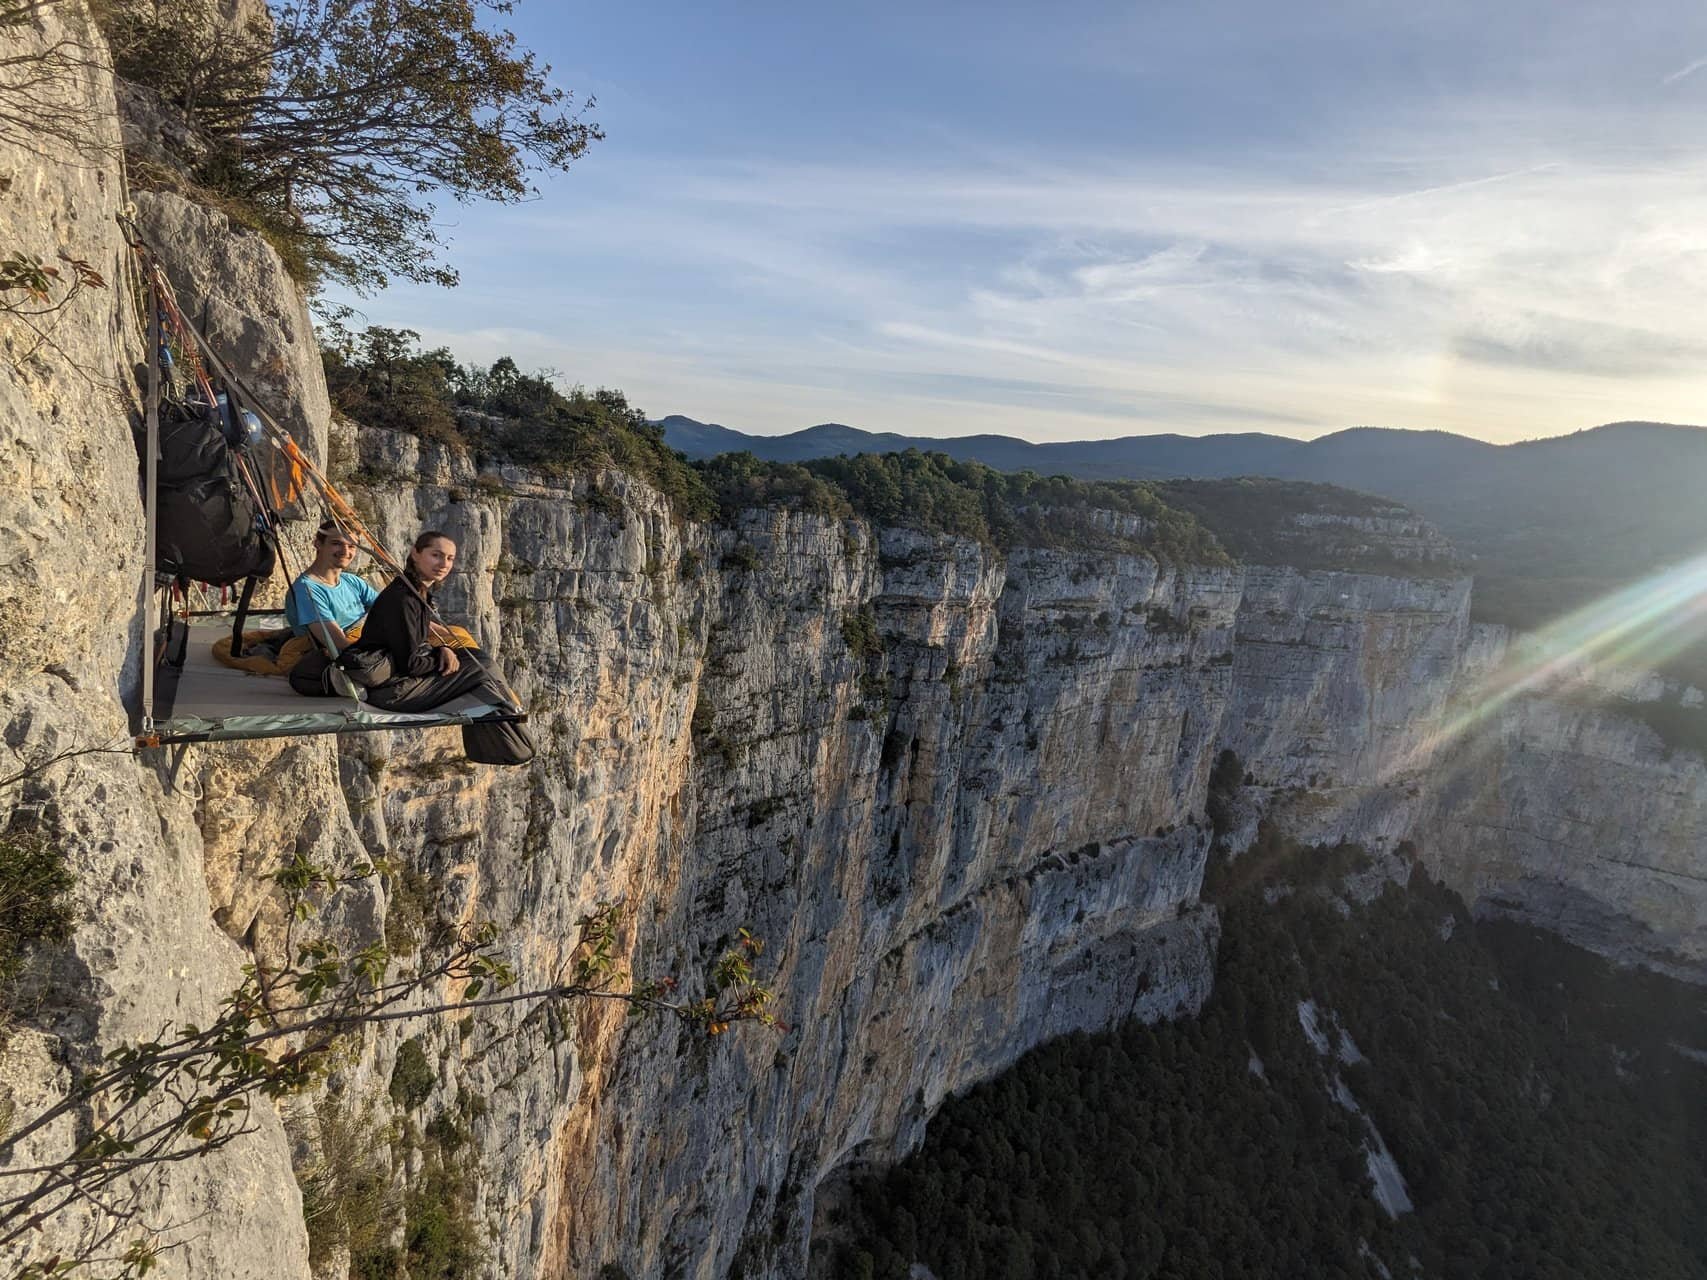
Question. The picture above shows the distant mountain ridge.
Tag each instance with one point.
(1551, 523)
(1146, 457)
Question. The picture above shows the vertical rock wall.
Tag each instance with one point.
(978, 832)
(959, 794)
(1366, 708)
(1581, 820)
(1336, 674)
(146, 952)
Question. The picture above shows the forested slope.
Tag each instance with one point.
(1535, 1102)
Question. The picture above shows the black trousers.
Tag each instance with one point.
(423, 693)
(484, 743)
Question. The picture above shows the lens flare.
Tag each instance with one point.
(1635, 628)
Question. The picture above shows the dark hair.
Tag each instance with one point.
(425, 540)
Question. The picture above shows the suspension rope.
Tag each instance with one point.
(150, 506)
(201, 359)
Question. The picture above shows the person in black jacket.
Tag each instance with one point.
(427, 672)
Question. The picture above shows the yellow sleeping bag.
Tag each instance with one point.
(262, 662)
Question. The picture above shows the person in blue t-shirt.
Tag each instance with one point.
(325, 601)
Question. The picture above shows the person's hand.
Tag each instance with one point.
(448, 663)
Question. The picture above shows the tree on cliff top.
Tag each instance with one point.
(331, 125)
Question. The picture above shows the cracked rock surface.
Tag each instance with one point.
(986, 832)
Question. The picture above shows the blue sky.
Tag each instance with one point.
(1084, 220)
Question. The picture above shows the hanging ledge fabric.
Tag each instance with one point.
(217, 470)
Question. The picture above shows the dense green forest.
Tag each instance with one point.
(936, 493)
(381, 377)
(1531, 1096)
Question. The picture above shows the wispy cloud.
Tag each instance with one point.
(1552, 345)
(1508, 245)
(1684, 72)
(1442, 189)
(1290, 299)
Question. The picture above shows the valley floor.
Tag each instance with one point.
(1544, 1114)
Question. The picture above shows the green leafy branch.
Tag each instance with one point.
(38, 281)
(138, 1259)
(32, 289)
(190, 1090)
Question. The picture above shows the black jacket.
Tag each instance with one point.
(398, 623)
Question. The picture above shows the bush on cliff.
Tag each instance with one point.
(935, 493)
(382, 378)
(1281, 522)
(35, 903)
(1224, 780)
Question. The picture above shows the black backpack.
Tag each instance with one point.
(497, 742)
(209, 527)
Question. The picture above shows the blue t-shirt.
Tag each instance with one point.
(345, 604)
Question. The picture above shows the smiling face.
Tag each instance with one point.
(433, 562)
(333, 550)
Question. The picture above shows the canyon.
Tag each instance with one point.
(985, 830)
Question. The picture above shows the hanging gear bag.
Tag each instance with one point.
(210, 529)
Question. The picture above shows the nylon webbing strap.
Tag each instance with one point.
(281, 438)
(242, 616)
(150, 500)
(340, 507)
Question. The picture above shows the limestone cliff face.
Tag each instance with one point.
(958, 793)
(238, 292)
(1582, 820)
(1336, 675)
(980, 836)
(1368, 708)
(146, 950)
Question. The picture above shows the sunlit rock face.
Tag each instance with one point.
(1336, 675)
(985, 835)
(1562, 806)
(980, 831)
(146, 952)
(1580, 820)
(237, 291)
(959, 794)
(1369, 709)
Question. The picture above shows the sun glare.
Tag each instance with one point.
(1624, 634)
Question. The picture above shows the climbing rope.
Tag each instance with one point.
(204, 364)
